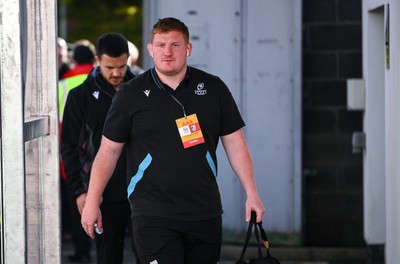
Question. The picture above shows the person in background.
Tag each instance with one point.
(170, 119)
(84, 115)
(87, 43)
(133, 58)
(62, 57)
(83, 59)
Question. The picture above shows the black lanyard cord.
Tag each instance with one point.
(161, 86)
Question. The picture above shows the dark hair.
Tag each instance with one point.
(164, 25)
(112, 44)
(83, 54)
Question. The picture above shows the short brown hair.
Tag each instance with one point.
(164, 25)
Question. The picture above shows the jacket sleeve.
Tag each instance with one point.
(72, 145)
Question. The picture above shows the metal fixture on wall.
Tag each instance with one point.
(387, 38)
(358, 142)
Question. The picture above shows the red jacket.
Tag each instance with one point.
(79, 69)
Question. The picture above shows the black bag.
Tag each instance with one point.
(257, 229)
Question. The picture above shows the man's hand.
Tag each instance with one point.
(91, 215)
(253, 203)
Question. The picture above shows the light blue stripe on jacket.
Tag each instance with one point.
(211, 163)
(139, 175)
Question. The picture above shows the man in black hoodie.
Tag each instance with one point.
(83, 119)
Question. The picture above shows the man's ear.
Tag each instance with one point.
(97, 60)
(150, 49)
(188, 49)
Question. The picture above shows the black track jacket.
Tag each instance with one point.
(82, 125)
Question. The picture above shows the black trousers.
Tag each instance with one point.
(72, 217)
(168, 241)
(110, 244)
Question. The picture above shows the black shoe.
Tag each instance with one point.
(80, 258)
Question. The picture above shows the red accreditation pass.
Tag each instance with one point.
(190, 131)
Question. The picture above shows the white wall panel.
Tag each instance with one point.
(271, 107)
(392, 139)
(374, 126)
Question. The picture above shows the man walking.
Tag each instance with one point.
(84, 115)
(170, 118)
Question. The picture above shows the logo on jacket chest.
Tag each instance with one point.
(200, 89)
(96, 94)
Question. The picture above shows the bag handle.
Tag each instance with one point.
(264, 237)
(248, 235)
(260, 256)
(252, 223)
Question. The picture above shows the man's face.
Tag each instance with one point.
(113, 69)
(169, 52)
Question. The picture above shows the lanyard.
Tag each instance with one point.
(161, 86)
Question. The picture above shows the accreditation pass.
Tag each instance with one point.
(190, 131)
